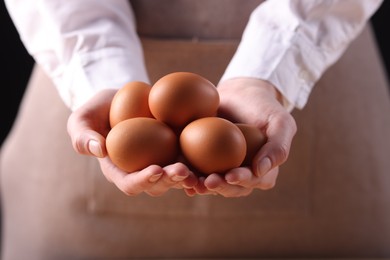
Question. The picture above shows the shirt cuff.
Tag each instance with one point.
(273, 52)
(88, 73)
(292, 53)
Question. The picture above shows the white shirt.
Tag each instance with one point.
(89, 45)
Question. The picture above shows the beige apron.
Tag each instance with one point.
(331, 199)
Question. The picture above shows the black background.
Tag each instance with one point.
(17, 64)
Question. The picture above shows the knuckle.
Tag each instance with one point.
(287, 120)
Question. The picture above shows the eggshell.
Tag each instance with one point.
(213, 145)
(181, 97)
(254, 138)
(136, 143)
(130, 101)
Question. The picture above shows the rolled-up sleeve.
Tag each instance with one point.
(84, 46)
(291, 43)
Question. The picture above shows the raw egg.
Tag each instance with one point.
(130, 101)
(254, 138)
(213, 145)
(181, 97)
(135, 143)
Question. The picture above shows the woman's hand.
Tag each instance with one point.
(88, 127)
(256, 102)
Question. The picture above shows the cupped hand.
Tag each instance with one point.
(89, 125)
(257, 102)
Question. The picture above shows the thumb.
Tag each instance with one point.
(89, 142)
(85, 140)
(88, 125)
(280, 132)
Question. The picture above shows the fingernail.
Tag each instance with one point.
(155, 177)
(178, 178)
(263, 166)
(190, 192)
(216, 188)
(94, 148)
(187, 186)
(233, 182)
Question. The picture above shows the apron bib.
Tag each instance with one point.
(330, 198)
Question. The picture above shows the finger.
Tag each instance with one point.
(268, 181)
(280, 132)
(179, 173)
(242, 176)
(174, 177)
(131, 183)
(190, 192)
(138, 182)
(215, 182)
(245, 178)
(200, 187)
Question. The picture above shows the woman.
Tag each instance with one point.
(329, 192)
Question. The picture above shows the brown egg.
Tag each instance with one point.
(181, 97)
(136, 143)
(130, 101)
(213, 145)
(254, 138)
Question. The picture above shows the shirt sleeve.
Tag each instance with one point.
(291, 43)
(84, 46)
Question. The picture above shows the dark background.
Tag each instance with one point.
(17, 63)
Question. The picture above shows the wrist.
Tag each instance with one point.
(268, 88)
